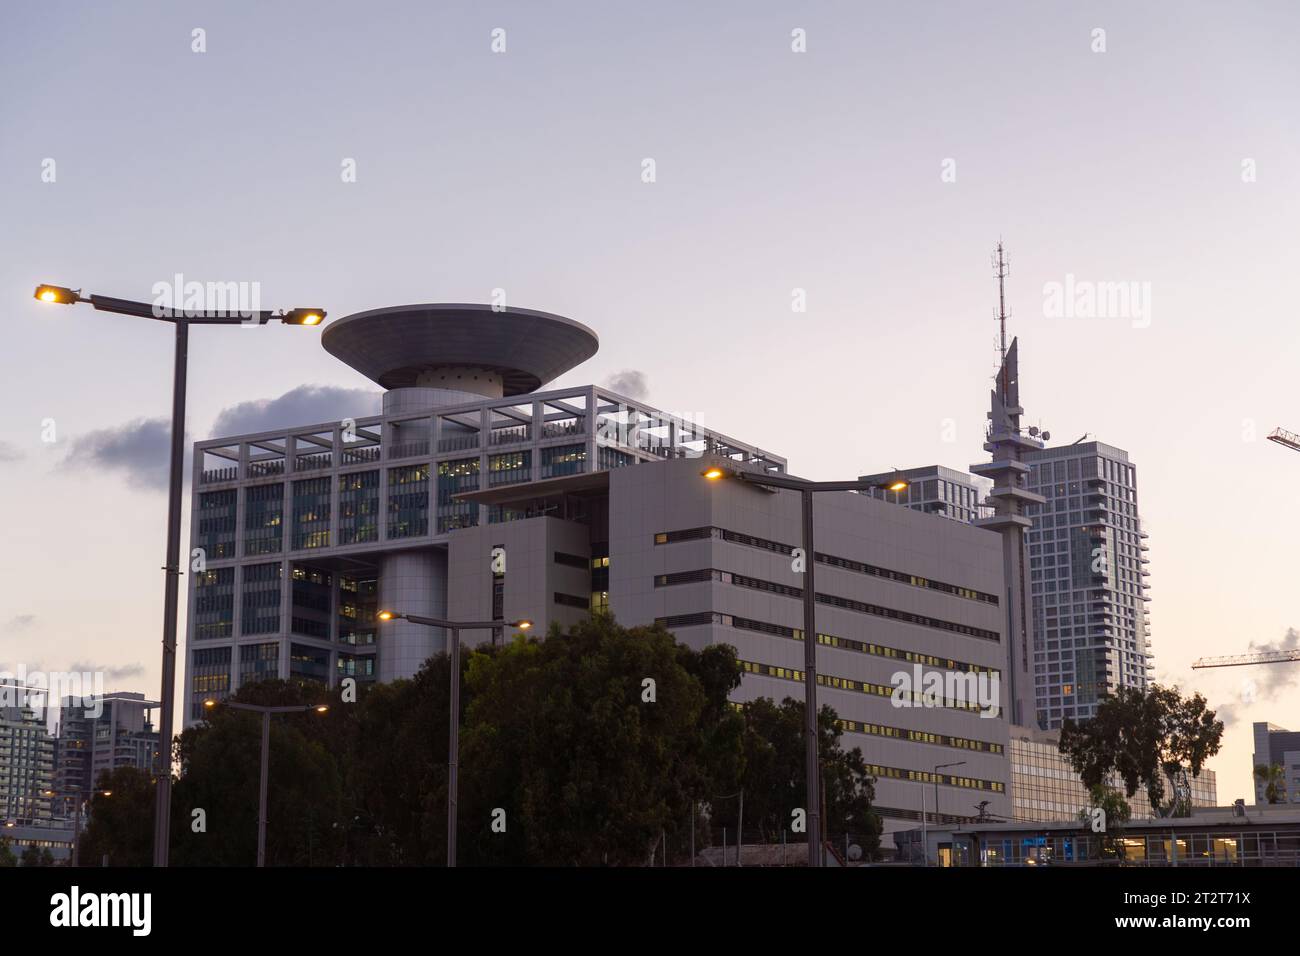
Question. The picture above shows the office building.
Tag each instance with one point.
(935, 490)
(92, 744)
(1279, 748)
(597, 503)
(1087, 557)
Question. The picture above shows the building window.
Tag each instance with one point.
(216, 524)
(260, 607)
(408, 501)
(455, 477)
(264, 519)
(258, 662)
(359, 507)
(311, 513)
(564, 460)
(509, 468)
(214, 604)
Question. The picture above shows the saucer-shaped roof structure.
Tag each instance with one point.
(393, 346)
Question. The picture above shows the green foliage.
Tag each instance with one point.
(1143, 736)
(559, 740)
(120, 826)
(775, 782)
(1117, 813)
(7, 857)
(560, 736)
(1272, 776)
(220, 764)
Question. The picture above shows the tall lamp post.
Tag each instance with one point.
(806, 491)
(453, 629)
(181, 319)
(937, 768)
(78, 795)
(266, 713)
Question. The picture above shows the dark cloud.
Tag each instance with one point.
(139, 449)
(20, 622)
(109, 672)
(304, 405)
(631, 383)
(10, 452)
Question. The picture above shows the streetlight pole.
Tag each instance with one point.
(266, 713)
(806, 489)
(453, 629)
(181, 319)
(937, 768)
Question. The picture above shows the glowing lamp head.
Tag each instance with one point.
(385, 615)
(303, 317)
(713, 474)
(56, 294)
(524, 625)
(898, 484)
(322, 708)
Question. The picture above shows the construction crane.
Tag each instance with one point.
(1289, 440)
(1267, 657)
(1285, 438)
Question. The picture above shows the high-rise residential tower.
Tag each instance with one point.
(1087, 556)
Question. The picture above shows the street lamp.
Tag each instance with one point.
(266, 713)
(937, 768)
(453, 733)
(806, 489)
(182, 319)
(76, 793)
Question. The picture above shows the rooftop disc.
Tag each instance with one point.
(403, 346)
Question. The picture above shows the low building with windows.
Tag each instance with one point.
(1044, 786)
(1235, 836)
(481, 493)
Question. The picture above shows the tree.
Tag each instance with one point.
(587, 747)
(120, 826)
(1144, 736)
(1273, 776)
(1115, 813)
(7, 857)
(220, 763)
(775, 781)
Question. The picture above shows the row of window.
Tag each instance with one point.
(848, 604)
(848, 564)
(857, 686)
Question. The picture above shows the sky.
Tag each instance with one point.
(807, 269)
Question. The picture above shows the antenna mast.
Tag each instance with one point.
(1002, 269)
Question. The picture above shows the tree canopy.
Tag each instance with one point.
(587, 747)
(1145, 737)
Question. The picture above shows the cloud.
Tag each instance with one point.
(20, 622)
(1263, 683)
(304, 405)
(10, 452)
(140, 450)
(629, 382)
(1272, 679)
(109, 672)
